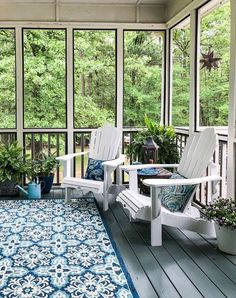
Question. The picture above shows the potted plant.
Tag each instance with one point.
(12, 168)
(34, 186)
(223, 212)
(32, 170)
(46, 166)
(163, 136)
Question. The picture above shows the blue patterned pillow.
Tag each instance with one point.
(95, 170)
(176, 197)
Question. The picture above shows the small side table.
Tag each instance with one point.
(158, 173)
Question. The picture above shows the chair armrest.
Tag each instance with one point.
(109, 168)
(70, 156)
(172, 182)
(67, 163)
(115, 162)
(130, 168)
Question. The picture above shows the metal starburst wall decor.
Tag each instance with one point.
(209, 61)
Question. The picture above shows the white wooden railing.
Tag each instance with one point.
(59, 146)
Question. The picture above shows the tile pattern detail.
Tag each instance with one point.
(50, 249)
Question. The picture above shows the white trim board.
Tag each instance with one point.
(84, 25)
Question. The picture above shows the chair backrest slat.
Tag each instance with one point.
(104, 143)
(198, 153)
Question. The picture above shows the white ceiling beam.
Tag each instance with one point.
(84, 25)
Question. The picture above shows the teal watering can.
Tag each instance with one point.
(34, 190)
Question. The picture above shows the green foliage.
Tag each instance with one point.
(165, 138)
(42, 165)
(44, 58)
(12, 165)
(32, 169)
(214, 84)
(181, 76)
(7, 79)
(44, 78)
(94, 77)
(143, 52)
(47, 164)
(222, 211)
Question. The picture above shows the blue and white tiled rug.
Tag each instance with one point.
(50, 249)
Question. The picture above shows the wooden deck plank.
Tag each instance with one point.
(213, 243)
(210, 269)
(156, 275)
(138, 275)
(191, 269)
(218, 258)
(175, 273)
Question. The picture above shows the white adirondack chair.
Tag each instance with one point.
(196, 157)
(104, 145)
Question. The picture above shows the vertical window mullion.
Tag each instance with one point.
(168, 80)
(19, 85)
(120, 86)
(194, 71)
(120, 78)
(70, 87)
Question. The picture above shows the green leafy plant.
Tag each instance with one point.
(46, 164)
(41, 170)
(42, 165)
(223, 212)
(12, 164)
(164, 137)
(32, 170)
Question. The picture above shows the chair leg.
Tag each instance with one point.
(156, 231)
(131, 219)
(88, 194)
(105, 202)
(67, 195)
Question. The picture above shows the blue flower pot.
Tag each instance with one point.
(47, 182)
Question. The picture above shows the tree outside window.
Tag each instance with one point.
(180, 37)
(214, 77)
(7, 79)
(143, 76)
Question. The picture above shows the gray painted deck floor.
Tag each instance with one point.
(187, 265)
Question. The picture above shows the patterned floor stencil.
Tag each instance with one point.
(50, 249)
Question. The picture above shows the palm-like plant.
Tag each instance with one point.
(163, 136)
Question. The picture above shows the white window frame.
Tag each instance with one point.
(194, 83)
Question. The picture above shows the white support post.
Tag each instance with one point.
(232, 108)
(120, 86)
(70, 111)
(194, 86)
(168, 82)
(19, 85)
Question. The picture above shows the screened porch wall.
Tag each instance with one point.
(71, 132)
(54, 122)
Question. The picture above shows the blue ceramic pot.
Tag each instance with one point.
(47, 182)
